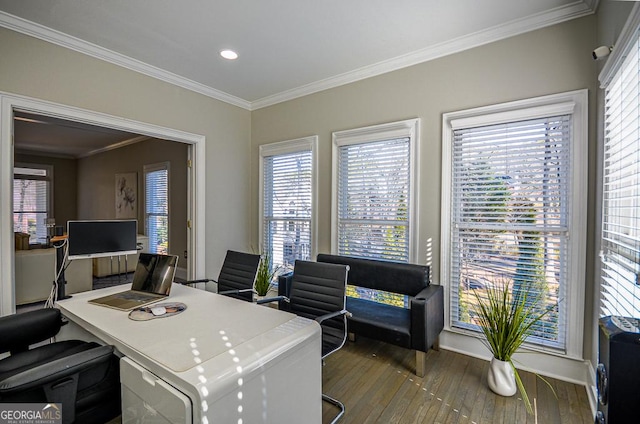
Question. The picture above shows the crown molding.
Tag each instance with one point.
(593, 4)
(558, 15)
(41, 32)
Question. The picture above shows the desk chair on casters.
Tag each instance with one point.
(318, 292)
(236, 276)
(84, 377)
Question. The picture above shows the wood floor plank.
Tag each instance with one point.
(435, 387)
(529, 382)
(583, 399)
(377, 383)
(421, 401)
(450, 390)
(482, 392)
(464, 390)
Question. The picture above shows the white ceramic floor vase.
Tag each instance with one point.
(501, 378)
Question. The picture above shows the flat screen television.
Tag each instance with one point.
(94, 239)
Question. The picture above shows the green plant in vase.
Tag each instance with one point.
(506, 319)
(264, 277)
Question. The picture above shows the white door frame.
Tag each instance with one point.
(196, 179)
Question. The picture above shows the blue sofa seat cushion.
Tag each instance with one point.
(387, 323)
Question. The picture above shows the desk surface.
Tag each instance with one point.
(203, 350)
(211, 322)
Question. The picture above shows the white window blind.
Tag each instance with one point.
(287, 202)
(32, 200)
(373, 199)
(620, 243)
(510, 197)
(156, 181)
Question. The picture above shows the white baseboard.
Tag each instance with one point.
(574, 371)
(592, 391)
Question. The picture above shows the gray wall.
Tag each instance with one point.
(551, 60)
(38, 69)
(96, 184)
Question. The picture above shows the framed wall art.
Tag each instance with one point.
(127, 196)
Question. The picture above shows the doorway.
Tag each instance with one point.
(11, 104)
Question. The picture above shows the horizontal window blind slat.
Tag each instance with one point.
(620, 238)
(287, 207)
(31, 202)
(373, 199)
(509, 205)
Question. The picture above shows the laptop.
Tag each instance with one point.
(152, 281)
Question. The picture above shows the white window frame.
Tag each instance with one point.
(624, 44)
(408, 128)
(575, 103)
(152, 168)
(49, 178)
(309, 143)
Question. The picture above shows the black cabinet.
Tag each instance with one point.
(618, 371)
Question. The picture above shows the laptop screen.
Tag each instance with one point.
(154, 273)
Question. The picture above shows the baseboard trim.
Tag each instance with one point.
(592, 391)
(574, 371)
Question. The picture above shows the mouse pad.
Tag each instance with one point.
(157, 310)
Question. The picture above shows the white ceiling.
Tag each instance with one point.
(287, 48)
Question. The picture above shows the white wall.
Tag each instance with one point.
(551, 60)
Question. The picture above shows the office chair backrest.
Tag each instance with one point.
(83, 376)
(238, 273)
(317, 289)
(38, 325)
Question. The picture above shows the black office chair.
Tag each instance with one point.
(318, 291)
(236, 276)
(84, 377)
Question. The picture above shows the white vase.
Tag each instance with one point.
(501, 378)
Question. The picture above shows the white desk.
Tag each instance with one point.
(235, 361)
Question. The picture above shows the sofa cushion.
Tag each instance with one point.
(387, 323)
(393, 277)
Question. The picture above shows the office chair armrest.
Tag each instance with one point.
(325, 317)
(273, 299)
(55, 370)
(18, 331)
(202, 280)
(237, 291)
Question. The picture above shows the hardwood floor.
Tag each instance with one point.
(377, 384)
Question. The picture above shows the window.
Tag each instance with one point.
(620, 235)
(287, 200)
(374, 188)
(514, 199)
(156, 183)
(32, 204)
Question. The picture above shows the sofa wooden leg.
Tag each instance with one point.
(352, 337)
(421, 363)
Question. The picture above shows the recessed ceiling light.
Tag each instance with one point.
(229, 54)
